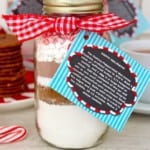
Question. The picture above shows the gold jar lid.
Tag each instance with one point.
(72, 7)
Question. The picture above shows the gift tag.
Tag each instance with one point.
(128, 10)
(101, 79)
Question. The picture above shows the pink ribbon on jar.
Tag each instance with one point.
(28, 26)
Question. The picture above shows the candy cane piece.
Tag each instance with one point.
(10, 134)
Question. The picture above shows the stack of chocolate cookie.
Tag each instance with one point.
(12, 72)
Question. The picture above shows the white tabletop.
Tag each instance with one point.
(135, 136)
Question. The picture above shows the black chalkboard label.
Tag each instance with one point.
(102, 80)
(28, 7)
(126, 10)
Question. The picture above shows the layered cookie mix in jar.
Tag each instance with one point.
(60, 122)
(72, 58)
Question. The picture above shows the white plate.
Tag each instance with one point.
(142, 108)
(17, 105)
(23, 100)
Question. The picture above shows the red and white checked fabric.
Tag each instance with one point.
(10, 134)
(28, 26)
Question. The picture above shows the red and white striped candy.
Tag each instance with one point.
(10, 134)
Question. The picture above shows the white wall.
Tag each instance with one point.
(3, 6)
(146, 8)
(146, 11)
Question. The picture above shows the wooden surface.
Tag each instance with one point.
(135, 136)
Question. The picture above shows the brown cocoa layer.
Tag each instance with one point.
(50, 96)
(46, 69)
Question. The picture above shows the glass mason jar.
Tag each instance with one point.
(59, 122)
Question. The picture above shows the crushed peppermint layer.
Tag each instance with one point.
(53, 48)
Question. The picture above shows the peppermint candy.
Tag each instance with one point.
(10, 134)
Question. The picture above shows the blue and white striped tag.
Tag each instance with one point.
(70, 79)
